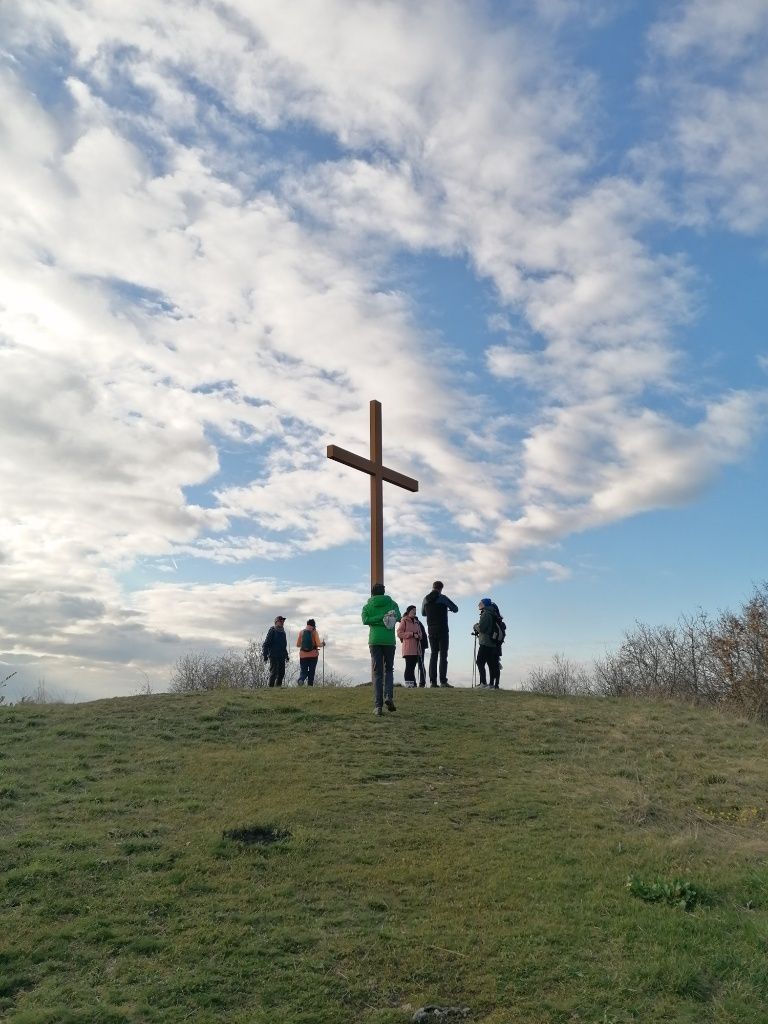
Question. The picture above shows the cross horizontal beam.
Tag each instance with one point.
(366, 466)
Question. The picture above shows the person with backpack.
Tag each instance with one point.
(409, 634)
(309, 643)
(499, 635)
(381, 614)
(275, 651)
(435, 608)
(487, 649)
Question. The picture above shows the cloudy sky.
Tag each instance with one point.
(535, 230)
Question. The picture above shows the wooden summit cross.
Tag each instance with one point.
(378, 474)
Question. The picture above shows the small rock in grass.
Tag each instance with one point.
(427, 1014)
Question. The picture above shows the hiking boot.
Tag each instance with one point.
(377, 711)
(433, 684)
(390, 705)
(447, 685)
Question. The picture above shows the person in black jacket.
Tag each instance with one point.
(488, 649)
(499, 635)
(435, 608)
(275, 651)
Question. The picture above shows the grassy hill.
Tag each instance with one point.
(471, 850)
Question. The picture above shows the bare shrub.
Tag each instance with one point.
(2, 684)
(739, 645)
(563, 678)
(331, 678)
(40, 695)
(672, 662)
(721, 663)
(145, 687)
(199, 671)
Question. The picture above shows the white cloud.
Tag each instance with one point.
(714, 76)
(556, 572)
(609, 462)
(174, 285)
(713, 29)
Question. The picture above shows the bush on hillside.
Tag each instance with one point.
(720, 662)
(739, 644)
(2, 684)
(674, 662)
(563, 678)
(40, 695)
(199, 671)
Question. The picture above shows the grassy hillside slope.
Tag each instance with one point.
(470, 850)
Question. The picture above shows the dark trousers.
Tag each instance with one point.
(307, 671)
(438, 654)
(382, 672)
(411, 661)
(487, 656)
(276, 670)
(495, 670)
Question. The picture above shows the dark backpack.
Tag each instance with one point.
(424, 638)
(499, 631)
(266, 647)
(307, 641)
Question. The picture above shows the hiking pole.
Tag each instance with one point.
(322, 658)
(474, 660)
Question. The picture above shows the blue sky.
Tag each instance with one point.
(536, 232)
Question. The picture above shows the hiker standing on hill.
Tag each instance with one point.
(309, 643)
(380, 614)
(409, 634)
(435, 607)
(275, 651)
(499, 635)
(487, 649)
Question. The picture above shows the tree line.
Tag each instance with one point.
(719, 661)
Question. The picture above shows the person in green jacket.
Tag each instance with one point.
(381, 615)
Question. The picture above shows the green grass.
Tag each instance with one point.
(474, 849)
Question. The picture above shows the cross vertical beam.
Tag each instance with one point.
(378, 472)
(377, 497)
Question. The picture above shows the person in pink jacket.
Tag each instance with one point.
(409, 633)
